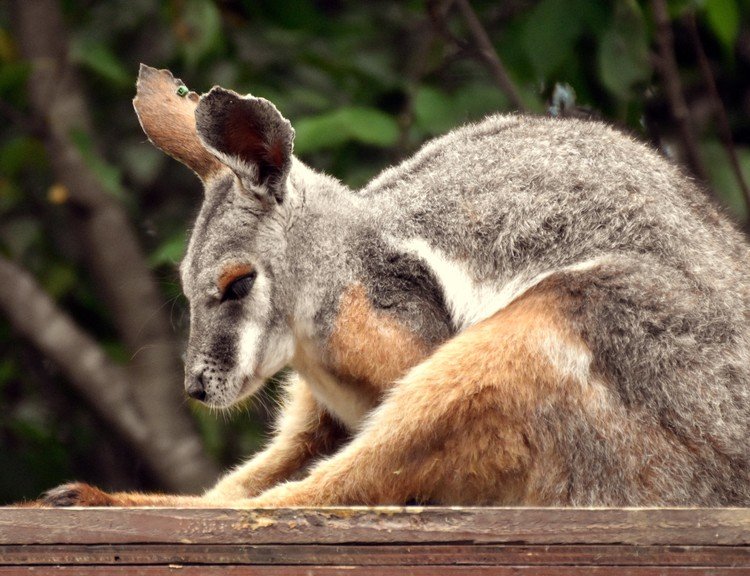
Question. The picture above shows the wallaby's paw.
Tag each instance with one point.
(76, 494)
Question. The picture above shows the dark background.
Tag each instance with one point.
(93, 220)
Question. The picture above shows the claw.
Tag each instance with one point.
(76, 494)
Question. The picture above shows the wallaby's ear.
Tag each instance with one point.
(250, 136)
(166, 111)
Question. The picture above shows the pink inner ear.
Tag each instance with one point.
(277, 153)
(243, 137)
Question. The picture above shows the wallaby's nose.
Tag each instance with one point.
(196, 387)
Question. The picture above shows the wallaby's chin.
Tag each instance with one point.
(248, 386)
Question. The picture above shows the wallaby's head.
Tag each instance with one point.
(241, 148)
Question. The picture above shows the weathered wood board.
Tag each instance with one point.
(375, 541)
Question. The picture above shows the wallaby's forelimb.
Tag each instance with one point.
(304, 432)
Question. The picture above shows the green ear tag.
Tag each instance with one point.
(182, 91)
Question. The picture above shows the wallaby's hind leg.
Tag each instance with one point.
(457, 428)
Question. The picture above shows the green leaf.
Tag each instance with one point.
(332, 129)
(100, 59)
(170, 252)
(20, 153)
(550, 33)
(107, 174)
(623, 51)
(477, 100)
(723, 16)
(8, 370)
(117, 352)
(318, 132)
(59, 279)
(678, 8)
(7, 48)
(722, 177)
(13, 77)
(370, 126)
(434, 110)
(201, 29)
(10, 195)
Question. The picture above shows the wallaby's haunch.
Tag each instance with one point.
(530, 311)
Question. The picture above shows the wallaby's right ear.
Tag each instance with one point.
(249, 135)
(166, 111)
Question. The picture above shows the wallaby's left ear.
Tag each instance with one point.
(250, 136)
(166, 111)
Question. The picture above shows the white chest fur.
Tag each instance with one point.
(342, 401)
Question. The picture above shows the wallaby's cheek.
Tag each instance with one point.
(262, 350)
(250, 341)
(277, 353)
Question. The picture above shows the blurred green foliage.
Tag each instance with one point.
(363, 83)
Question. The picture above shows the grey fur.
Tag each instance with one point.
(664, 309)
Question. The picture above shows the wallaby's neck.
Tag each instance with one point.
(325, 219)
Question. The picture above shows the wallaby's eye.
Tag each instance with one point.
(239, 287)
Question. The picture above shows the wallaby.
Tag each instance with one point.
(530, 311)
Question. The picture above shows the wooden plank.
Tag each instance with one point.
(378, 555)
(637, 526)
(179, 570)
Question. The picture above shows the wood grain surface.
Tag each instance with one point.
(180, 570)
(372, 525)
(375, 541)
(378, 555)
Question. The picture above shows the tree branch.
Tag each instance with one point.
(114, 256)
(725, 130)
(489, 55)
(670, 74)
(102, 383)
(422, 38)
(438, 11)
(21, 121)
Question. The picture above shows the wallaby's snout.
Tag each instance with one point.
(195, 386)
(212, 371)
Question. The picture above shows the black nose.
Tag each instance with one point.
(196, 388)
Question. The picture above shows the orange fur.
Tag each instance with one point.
(457, 428)
(169, 121)
(80, 494)
(305, 432)
(370, 348)
(231, 273)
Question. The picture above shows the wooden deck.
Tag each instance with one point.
(375, 541)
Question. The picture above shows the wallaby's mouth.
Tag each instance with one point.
(249, 385)
(226, 394)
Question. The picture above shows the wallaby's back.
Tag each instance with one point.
(661, 290)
